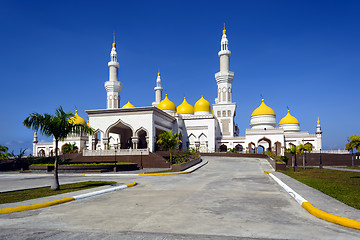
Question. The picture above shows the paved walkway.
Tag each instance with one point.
(343, 169)
(229, 198)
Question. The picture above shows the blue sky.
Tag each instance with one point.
(300, 54)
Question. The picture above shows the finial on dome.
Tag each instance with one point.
(76, 111)
(318, 121)
(224, 31)
(35, 133)
(114, 44)
(288, 111)
(262, 100)
(159, 73)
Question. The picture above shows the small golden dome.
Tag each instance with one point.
(159, 73)
(263, 109)
(288, 119)
(166, 104)
(318, 121)
(185, 108)
(224, 31)
(114, 45)
(128, 105)
(202, 105)
(76, 119)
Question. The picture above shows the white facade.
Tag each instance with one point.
(139, 127)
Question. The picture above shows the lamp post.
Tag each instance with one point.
(320, 161)
(115, 148)
(141, 165)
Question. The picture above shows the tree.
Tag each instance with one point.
(169, 141)
(59, 127)
(69, 148)
(302, 149)
(292, 151)
(353, 143)
(4, 152)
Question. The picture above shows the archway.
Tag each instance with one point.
(142, 136)
(260, 149)
(121, 131)
(251, 147)
(239, 148)
(41, 153)
(223, 148)
(265, 143)
(309, 144)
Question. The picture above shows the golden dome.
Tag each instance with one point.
(76, 119)
(202, 105)
(288, 119)
(128, 105)
(114, 45)
(185, 108)
(318, 121)
(158, 73)
(224, 31)
(263, 109)
(166, 104)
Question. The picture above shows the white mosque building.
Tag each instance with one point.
(135, 130)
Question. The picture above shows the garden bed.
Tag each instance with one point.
(102, 167)
(186, 165)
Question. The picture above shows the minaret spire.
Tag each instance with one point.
(113, 86)
(158, 90)
(318, 135)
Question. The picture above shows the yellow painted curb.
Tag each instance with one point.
(347, 222)
(267, 172)
(35, 206)
(159, 174)
(131, 184)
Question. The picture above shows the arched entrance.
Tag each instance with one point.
(239, 148)
(223, 148)
(260, 149)
(265, 143)
(41, 153)
(142, 137)
(121, 131)
(251, 147)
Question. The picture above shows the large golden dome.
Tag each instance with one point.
(263, 109)
(202, 105)
(288, 119)
(76, 119)
(128, 105)
(185, 108)
(166, 104)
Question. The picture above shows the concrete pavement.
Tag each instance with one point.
(228, 198)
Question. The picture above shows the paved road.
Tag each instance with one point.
(229, 198)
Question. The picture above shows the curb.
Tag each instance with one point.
(347, 222)
(62, 200)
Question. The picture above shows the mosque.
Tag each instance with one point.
(131, 130)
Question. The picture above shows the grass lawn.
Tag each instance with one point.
(341, 185)
(22, 195)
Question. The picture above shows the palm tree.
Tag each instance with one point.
(353, 143)
(168, 141)
(292, 150)
(59, 127)
(302, 149)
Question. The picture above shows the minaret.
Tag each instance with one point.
(318, 135)
(158, 91)
(35, 141)
(113, 86)
(224, 78)
(224, 109)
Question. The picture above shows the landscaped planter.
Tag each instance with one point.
(277, 166)
(183, 166)
(83, 168)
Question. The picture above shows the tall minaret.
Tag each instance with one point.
(318, 135)
(113, 86)
(224, 109)
(35, 141)
(158, 91)
(224, 78)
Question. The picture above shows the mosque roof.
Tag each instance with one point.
(166, 104)
(202, 105)
(185, 108)
(128, 105)
(76, 119)
(288, 119)
(263, 109)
